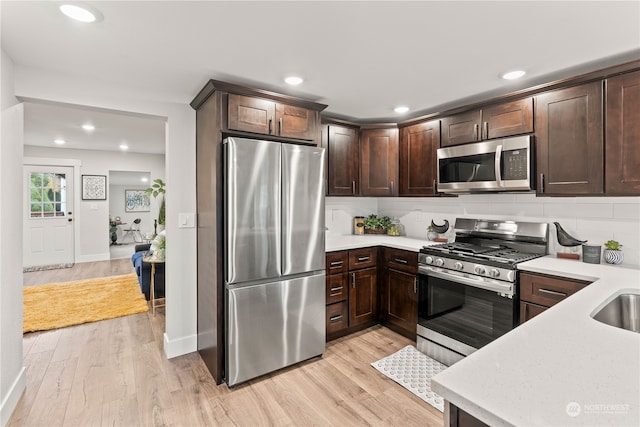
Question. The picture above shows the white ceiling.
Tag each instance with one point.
(360, 58)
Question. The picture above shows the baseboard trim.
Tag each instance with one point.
(95, 257)
(13, 396)
(184, 345)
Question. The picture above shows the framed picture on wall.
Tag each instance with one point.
(94, 187)
(136, 201)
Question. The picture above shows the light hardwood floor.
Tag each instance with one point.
(114, 372)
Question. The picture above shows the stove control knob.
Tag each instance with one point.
(479, 269)
(494, 272)
(458, 265)
(439, 262)
(429, 260)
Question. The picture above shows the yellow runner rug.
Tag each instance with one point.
(56, 305)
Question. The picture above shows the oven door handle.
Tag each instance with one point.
(481, 283)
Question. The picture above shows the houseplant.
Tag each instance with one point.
(157, 189)
(375, 225)
(613, 254)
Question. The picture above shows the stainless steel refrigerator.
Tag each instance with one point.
(275, 256)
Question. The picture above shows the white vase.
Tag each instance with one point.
(613, 257)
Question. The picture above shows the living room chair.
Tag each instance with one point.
(133, 230)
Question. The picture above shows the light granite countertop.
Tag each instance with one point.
(561, 368)
(334, 242)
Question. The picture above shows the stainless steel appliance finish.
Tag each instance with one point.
(274, 239)
(468, 290)
(498, 165)
(275, 324)
(622, 311)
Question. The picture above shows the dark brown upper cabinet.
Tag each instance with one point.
(494, 121)
(263, 116)
(622, 168)
(418, 146)
(379, 162)
(342, 147)
(569, 141)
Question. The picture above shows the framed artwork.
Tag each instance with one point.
(136, 201)
(94, 187)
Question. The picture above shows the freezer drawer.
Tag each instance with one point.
(274, 325)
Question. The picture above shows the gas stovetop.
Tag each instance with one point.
(502, 254)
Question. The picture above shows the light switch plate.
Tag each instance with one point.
(186, 220)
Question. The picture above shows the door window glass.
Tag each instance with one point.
(47, 195)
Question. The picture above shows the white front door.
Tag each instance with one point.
(48, 215)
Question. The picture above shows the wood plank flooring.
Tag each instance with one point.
(114, 372)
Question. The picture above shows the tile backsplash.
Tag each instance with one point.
(596, 219)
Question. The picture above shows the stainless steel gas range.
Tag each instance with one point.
(468, 291)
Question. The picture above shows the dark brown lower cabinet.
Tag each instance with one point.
(362, 296)
(529, 310)
(337, 317)
(459, 418)
(400, 302)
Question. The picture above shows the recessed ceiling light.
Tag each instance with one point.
(293, 80)
(78, 13)
(124, 147)
(59, 141)
(401, 109)
(88, 127)
(512, 75)
(144, 179)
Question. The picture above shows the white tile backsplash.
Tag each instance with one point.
(596, 219)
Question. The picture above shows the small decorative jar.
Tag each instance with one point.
(613, 257)
(395, 229)
(432, 235)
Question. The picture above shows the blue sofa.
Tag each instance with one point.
(143, 270)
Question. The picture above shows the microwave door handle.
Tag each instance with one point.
(498, 162)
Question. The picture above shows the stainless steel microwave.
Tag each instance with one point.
(497, 165)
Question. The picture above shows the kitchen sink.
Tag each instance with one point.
(623, 311)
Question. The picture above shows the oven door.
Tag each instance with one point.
(462, 313)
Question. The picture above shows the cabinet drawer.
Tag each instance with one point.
(337, 262)
(337, 287)
(547, 290)
(362, 258)
(399, 259)
(337, 316)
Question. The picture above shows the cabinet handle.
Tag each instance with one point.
(338, 288)
(335, 318)
(475, 132)
(363, 258)
(435, 191)
(391, 187)
(554, 293)
(353, 280)
(485, 130)
(270, 122)
(401, 261)
(335, 264)
(415, 285)
(542, 183)
(353, 187)
(280, 126)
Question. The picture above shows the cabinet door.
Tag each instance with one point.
(362, 258)
(251, 114)
(337, 287)
(296, 122)
(401, 300)
(569, 141)
(418, 149)
(337, 317)
(461, 128)
(342, 152)
(529, 311)
(547, 290)
(510, 118)
(622, 147)
(362, 296)
(379, 162)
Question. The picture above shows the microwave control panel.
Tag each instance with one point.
(515, 164)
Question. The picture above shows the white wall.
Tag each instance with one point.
(12, 372)
(180, 274)
(93, 215)
(596, 219)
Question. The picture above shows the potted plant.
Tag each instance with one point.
(375, 225)
(613, 254)
(157, 189)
